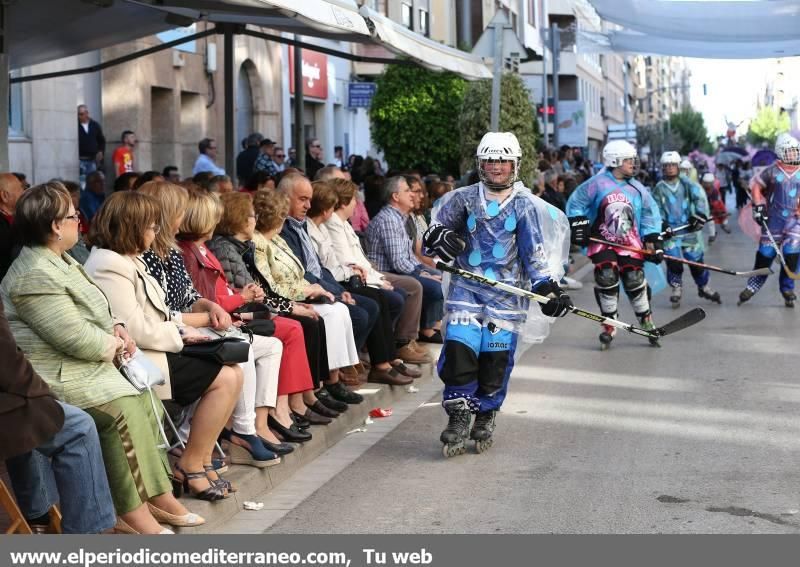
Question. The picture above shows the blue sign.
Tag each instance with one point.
(359, 95)
(178, 33)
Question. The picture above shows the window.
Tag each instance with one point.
(407, 15)
(424, 27)
(532, 12)
(16, 126)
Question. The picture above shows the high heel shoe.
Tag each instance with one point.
(219, 481)
(291, 434)
(186, 521)
(279, 448)
(181, 486)
(256, 455)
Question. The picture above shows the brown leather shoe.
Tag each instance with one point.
(406, 370)
(349, 376)
(411, 356)
(391, 377)
(420, 348)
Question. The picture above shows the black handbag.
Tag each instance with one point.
(225, 350)
(261, 327)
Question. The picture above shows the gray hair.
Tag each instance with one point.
(392, 186)
(550, 177)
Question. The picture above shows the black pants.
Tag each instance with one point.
(380, 341)
(316, 347)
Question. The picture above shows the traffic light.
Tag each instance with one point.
(548, 111)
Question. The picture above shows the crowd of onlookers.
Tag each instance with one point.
(322, 277)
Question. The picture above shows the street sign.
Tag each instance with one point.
(359, 95)
(616, 127)
(571, 123)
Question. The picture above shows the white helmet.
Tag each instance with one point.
(670, 158)
(788, 149)
(686, 165)
(498, 146)
(707, 178)
(616, 152)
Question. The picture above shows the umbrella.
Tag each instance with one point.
(728, 157)
(737, 150)
(763, 158)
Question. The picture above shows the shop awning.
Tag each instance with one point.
(428, 53)
(737, 29)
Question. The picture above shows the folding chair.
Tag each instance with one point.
(19, 525)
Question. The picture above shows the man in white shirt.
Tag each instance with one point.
(206, 161)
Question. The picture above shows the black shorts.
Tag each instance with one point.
(190, 377)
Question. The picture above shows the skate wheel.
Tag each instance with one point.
(483, 445)
(655, 343)
(676, 304)
(453, 450)
(604, 346)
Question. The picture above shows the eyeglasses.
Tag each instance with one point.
(76, 217)
(155, 228)
(280, 155)
(315, 146)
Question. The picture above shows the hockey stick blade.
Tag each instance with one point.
(777, 249)
(758, 272)
(686, 320)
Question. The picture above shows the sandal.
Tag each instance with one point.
(180, 486)
(224, 483)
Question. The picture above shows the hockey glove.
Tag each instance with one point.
(760, 214)
(696, 222)
(655, 243)
(580, 230)
(666, 230)
(443, 242)
(560, 303)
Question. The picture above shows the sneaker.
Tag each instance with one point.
(411, 356)
(570, 283)
(340, 392)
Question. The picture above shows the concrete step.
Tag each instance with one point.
(255, 484)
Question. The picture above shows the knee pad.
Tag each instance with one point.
(458, 364)
(492, 369)
(633, 282)
(791, 261)
(764, 256)
(606, 276)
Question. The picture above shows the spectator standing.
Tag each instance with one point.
(264, 161)
(91, 142)
(292, 161)
(206, 161)
(123, 155)
(279, 158)
(171, 174)
(247, 157)
(338, 158)
(313, 157)
(10, 192)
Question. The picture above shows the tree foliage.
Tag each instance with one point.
(766, 126)
(413, 117)
(516, 115)
(690, 128)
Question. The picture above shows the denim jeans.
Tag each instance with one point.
(67, 468)
(432, 300)
(86, 167)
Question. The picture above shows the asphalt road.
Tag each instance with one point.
(698, 436)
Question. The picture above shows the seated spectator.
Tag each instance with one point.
(126, 227)
(390, 249)
(347, 248)
(10, 191)
(278, 265)
(164, 262)
(53, 309)
(146, 177)
(80, 252)
(125, 182)
(94, 195)
(359, 219)
(386, 369)
(202, 179)
(363, 310)
(294, 384)
(416, 225)
(207, 157)
(171, 174)
(220, 184)
(259, 181)
(51, 449)
(437, 190)
(551, 192)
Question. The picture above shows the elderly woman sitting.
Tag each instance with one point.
(63, 323)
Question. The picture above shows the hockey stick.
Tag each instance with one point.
(744, 274)
(686, 320)
(672, 231)
(777, 248)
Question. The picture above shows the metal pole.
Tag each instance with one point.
(230, 100)
(545, 116)
(466, 22)
(497, 77)
(555, 48)
(625, 89)
(4, 91)
(297, 135)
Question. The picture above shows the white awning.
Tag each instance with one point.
(735, 29)
(44, 30)
(428, 53)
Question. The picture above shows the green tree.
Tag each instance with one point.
(413, 117)
(516, 115)
(766, 126)
(690, 130)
